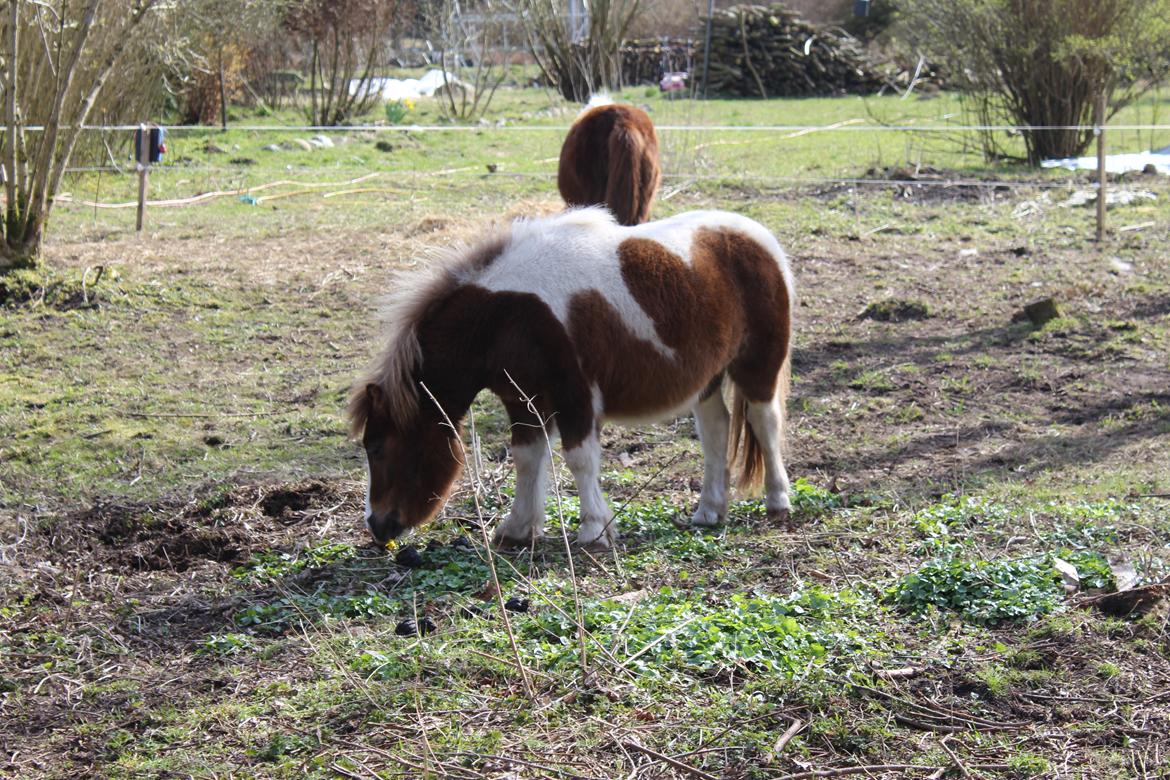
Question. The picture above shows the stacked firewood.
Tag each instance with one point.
(760, 51)
(646, 60)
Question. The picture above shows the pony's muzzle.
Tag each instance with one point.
(386, 527)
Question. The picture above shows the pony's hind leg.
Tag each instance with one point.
(584, 460)
(712, 421)
(767, 421)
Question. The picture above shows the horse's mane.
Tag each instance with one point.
(413, 292)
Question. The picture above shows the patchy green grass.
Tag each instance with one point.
(180, 533)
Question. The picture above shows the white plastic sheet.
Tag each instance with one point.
(1117, 163)
(399, 89)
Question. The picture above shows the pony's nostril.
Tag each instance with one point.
(384, 528)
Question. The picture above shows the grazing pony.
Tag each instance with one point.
(628, 324)
(610, 158)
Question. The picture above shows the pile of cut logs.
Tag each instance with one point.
(762, 51)
(646, 60)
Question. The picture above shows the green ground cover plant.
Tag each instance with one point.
(181, 543)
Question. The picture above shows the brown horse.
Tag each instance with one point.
(610, 158)
(628, 324)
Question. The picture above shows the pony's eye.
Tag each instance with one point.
(374, 450)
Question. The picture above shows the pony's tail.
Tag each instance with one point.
(744, 448)
(633, 175)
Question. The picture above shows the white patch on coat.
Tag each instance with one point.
(369, 509)
(560, 257)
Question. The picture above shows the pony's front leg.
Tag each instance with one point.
(526, 520)
(713, 423)
(584, 460)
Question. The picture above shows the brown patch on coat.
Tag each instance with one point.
(732, 305)
(764, 302)
(695, 312)
(610, 158)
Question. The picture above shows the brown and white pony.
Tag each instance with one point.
(591, 321)
(610, 158)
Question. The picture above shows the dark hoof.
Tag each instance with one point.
(780, 517)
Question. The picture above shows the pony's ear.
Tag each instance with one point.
(364, 400)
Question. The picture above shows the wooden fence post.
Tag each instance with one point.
(143, 151)
(1100, 130)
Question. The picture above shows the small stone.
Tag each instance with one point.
(433, 545)
(516, 604)
(1069, 574)
(492, 167)
(462, 543)
(470, 612)
(1039, 312)
(409, 556)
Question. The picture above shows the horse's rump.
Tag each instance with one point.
(610, 158)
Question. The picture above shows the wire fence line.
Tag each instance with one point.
(680, 179)
(919, 180)
(836, 127)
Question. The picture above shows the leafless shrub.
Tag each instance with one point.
(476, 48)
(578, 65)
(66, 64)
(345, 42)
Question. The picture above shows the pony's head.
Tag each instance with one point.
(413, 459)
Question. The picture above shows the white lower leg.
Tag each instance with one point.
(712, 421)
(526, 520)
(596, 527)
(767, 421)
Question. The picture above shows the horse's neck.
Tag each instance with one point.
(454, 347)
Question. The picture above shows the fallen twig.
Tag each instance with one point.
(898, 674)
(679, 765)
(923, 725)
(959, 764)
(783, 740)
(854, 770)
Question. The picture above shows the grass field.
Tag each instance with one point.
(186, 589)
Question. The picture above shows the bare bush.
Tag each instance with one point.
(345, 42)
(1043, 63)
(475, 48)
(221, 36)
(578, 66)
(59, 60)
